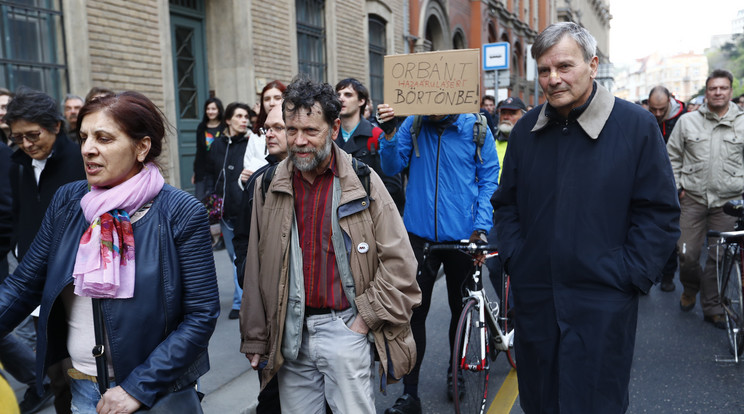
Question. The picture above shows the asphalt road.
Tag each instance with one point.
(674, 369)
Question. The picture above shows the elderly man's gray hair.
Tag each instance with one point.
(554, 33)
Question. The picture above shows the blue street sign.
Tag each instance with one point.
(496, 56)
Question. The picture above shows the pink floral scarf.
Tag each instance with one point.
(104, 265)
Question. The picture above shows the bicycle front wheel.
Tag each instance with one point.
(732, 303)
(470, 361)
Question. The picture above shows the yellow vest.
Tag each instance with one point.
(501, 150)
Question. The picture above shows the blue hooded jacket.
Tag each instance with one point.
(449, 189)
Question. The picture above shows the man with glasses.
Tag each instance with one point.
(46, 161)
(705, 149)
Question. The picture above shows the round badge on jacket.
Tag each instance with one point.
(363, 247)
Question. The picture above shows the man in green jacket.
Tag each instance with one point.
(705, 149)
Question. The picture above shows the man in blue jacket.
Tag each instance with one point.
(447, 200)
(586, 215)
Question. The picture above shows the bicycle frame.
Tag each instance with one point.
(732, 248)
(501, 341)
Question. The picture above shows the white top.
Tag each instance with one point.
(255, 154)
(38, 167)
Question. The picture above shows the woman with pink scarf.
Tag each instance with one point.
(135, 249)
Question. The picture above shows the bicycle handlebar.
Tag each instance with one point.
(734, 235)
(465, 247)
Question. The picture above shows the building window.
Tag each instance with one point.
(32, 48)
(377, 52)
(311, 38)
(458, 40)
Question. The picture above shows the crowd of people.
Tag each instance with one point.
(325, 205)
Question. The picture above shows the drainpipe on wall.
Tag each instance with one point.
(406, 26)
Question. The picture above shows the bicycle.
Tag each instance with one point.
(483, 330)
(729, 274)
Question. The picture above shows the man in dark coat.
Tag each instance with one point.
(586, 215)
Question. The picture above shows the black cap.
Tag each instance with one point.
(512, 102)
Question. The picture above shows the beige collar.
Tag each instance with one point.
(593, 120)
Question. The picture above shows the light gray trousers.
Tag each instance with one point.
(334, 364)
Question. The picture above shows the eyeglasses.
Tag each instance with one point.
(30, 136)
(276, 129)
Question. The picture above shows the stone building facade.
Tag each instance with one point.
(684, 74)
(459, 24)
(179, 52)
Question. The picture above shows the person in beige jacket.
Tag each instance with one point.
(321, 343)
(706, 150)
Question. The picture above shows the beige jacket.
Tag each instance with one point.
(385, 275)
(707, 155)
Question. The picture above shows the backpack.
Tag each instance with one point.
(361, 169)
(480, 128)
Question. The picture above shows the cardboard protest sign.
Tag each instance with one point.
(433, 83)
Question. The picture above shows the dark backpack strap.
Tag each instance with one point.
(362, 171)
(480, 127)
(266, 178)
(415, 129)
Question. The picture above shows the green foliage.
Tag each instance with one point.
(730, 56)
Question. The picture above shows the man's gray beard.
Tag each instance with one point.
(309, 164)
(505, 128)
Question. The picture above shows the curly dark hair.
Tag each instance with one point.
(303, 93)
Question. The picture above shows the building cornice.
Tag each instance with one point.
(511, 20)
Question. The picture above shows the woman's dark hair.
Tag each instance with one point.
(232, 106)
(98, 92)
(35, 107)
(262, 114)
(220, 111)
(136, 116)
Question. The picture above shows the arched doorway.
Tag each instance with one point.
(436, 31)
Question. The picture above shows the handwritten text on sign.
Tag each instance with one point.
(433, 83)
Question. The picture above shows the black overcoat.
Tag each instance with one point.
(586, 216)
